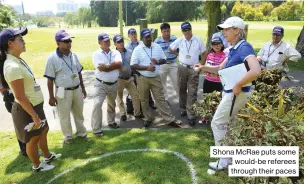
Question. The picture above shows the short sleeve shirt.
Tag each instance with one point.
(101, 57)
(13, 69)
(63, 69)
(171, 58)
(142, 56)
(193, 48)
(237, 55)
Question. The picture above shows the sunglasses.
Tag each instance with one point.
(67, 41)
(186, 30)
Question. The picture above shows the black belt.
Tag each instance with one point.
(108, 83)
(187, 66)
(72, 88)
(124, 78)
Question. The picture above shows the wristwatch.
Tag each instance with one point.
(107, 65)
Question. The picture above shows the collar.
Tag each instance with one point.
(124, 50)
(136, 43)
(192, 38)
(276, 44)
(163, 38)
(105, 52)
(144, 46)
(59, 54)
(238, 44)
(9, 56)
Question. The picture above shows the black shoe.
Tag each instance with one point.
(114, 125)
(192, 122)
(183, 113)
(139, 116)
(147, 123)
(123, 118)
(175, 123)
(153, 106)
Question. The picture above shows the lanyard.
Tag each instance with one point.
(150, 52)
(107, 56)
(269, 54)
(28, 68)
(123, 57)
(188, 49)
(71, 68)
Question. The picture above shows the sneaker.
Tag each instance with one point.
(147, 123)
(114, 125)
(175, 123)
(123, 118)
(216, 166)
(183, 113)
(43, 167)
(68, 141)
(51, 157)
(99, 134)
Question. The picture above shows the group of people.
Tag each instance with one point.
(141, 67)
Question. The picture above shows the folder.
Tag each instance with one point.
(232, 75)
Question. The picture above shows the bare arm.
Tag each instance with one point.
(204, 57)
(212, 69)
(82, 85)
(149, 68)
(52, 99)
(18, 88)
(113, 66)
(173, 51)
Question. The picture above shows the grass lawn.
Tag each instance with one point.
(40, 42)
(131, 168)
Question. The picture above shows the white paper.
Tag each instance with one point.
(232, 75)
(60, 92)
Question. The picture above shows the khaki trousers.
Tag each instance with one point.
(101, 92)
(73, 101)
(154, 84)
(133, 91)
(188, 80)
(170, 70)
(221, 119)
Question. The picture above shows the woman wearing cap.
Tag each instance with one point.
(215, 58)
(28, 105)
(241, 51)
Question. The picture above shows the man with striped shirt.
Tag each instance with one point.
(146, 59)
(171, 67)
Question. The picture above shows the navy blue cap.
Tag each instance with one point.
(117, 38)
(145, 32)
(9, 33)
(132, 31)
(186, 25)
(103, 37)
(216, 39)
(62, 35)
(278, 30)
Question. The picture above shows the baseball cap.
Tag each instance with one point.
(9, 33)
(103, 37)
(145, 32)
(232, 22)
(216, 39)
(278, 30)
(132, 31)
(62, 35)
(117, 38)
(186, 25)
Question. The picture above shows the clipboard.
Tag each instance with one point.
(232, 75)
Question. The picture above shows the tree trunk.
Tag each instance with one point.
(213, 14)
(300, 44)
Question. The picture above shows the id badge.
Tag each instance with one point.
(74, 76)
(37, 88)
(188, 57)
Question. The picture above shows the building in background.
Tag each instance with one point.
(65, 7)
(47, 13)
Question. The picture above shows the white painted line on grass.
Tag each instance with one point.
(179, 155)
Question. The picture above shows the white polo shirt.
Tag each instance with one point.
(142, 56)
(275, 55)
(193, 48)
(101, 57)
